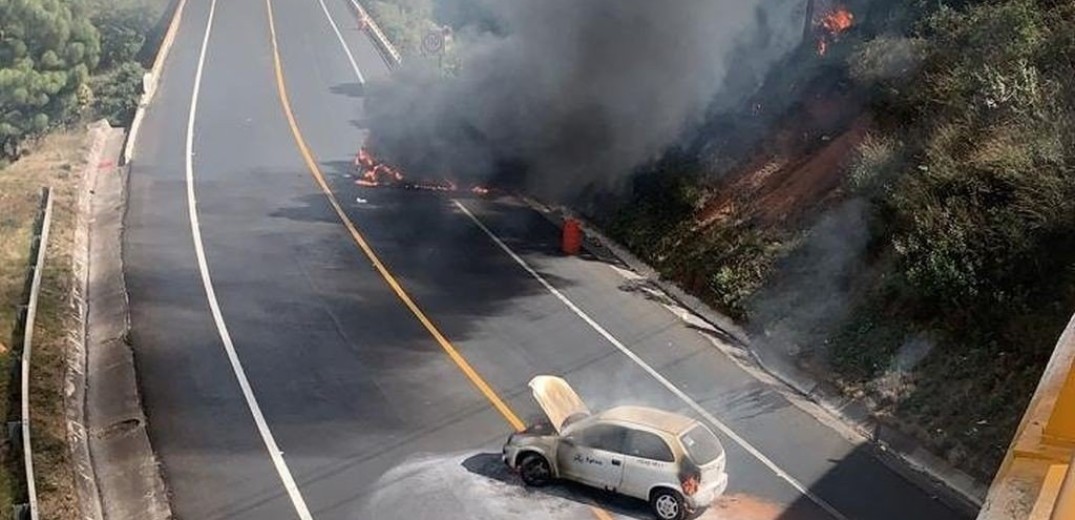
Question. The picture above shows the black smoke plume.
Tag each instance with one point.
(567, 94)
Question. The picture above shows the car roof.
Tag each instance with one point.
(660, 420)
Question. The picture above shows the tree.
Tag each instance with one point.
(116, 93)
(123, 33)
(47, 50)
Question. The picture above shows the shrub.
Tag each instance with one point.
(116, 94)
(404, 22)
(123, 33)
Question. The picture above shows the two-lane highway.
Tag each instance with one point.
(362, 353)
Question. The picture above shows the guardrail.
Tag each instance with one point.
(22, 344)
(386, 45)
(1037, 477)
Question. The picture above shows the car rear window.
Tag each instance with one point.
(702, 446)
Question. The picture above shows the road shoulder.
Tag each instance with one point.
(123, 463)
(851, 418)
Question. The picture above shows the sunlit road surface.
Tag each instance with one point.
(271, 327)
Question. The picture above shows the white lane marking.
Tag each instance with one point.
(343, 43)
(203, 266)
(656, 375)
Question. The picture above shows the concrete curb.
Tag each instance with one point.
(389, 50)
(151, 79)
(898, 451)
(127, 474)
(89, 498)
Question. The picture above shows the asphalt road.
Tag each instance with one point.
(371, 416)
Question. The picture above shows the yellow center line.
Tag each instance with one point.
(307, 156)
(311, 164)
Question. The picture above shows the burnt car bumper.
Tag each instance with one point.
(708, 493)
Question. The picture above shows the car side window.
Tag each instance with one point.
(606, 437)
(648, 446)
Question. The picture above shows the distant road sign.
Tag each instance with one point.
(433, 42)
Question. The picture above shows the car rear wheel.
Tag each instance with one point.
(535, 470)
(668, 505)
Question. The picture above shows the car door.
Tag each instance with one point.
(648, 461)
(594, 455)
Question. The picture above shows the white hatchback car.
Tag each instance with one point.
(672, 461)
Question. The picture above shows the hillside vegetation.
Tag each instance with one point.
(905, 225)
(65, 61)
(62, 63)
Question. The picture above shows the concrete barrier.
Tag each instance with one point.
(1032, 476)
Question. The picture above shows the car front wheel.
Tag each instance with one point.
(668, 505)
(535, 470)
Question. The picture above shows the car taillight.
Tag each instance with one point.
(689, 485)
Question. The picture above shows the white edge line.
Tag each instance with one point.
(343, 43)
(248, 393)
(656, 375)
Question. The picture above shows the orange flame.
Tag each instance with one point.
(838, 20)
(834, 23)
(690, 486)
(373, 173)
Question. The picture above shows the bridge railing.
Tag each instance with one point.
(387, 48)
(1037, 478)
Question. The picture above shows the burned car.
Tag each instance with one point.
(672, 461)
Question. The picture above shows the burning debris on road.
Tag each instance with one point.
(373, 173)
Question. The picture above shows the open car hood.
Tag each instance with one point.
(558, 400)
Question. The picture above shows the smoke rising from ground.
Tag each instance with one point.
(813, 294)
(577, 93)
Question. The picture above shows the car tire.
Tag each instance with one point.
(535, 470)
(668, 504)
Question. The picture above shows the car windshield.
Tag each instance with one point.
(702, 446)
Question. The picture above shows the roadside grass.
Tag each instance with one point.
(56, 161)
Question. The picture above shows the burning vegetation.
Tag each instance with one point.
(831, 26)
(903, 250)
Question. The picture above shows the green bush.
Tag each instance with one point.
(972, 177)
(117, 92)
(123, 33)
(975, 223)
(404, 22)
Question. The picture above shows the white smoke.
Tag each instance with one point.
(463, 486)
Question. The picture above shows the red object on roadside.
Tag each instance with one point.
(572, 237)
